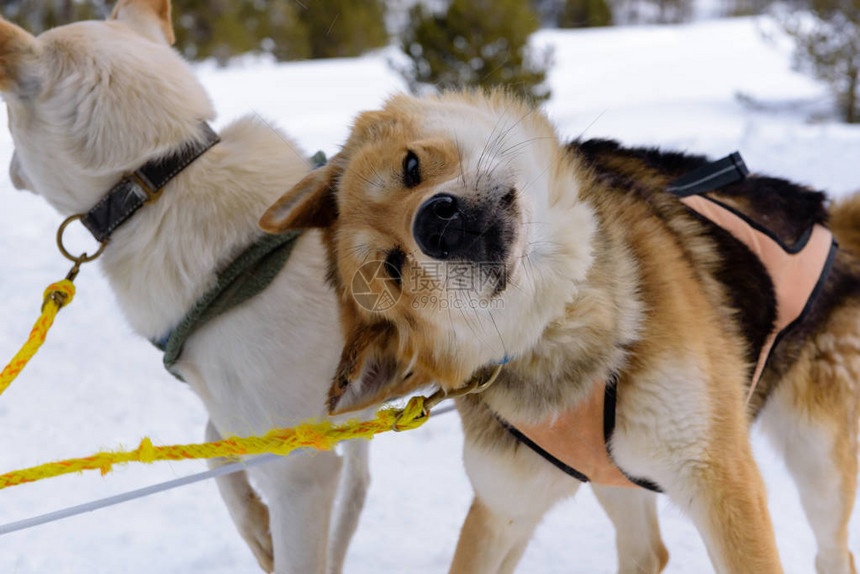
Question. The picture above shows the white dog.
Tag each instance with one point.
(94, 101)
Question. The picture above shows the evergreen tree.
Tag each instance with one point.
(40, 15)
(675, 11)
(222, 29)
(476, 43)
(627, 12)
(343, 28)
(748, 7)
(226, 28)
(827, 44)
(585, 14)
(549, 11)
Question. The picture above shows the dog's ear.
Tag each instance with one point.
(18, 61)
(369, 372)
(151, 18)
(372, 125)
(311, 203)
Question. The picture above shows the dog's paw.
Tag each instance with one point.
(255, 530)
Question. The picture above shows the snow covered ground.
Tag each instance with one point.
(95, 385)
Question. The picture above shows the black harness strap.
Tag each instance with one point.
(536, 447)
(609, 402)
(143, 186)
(730, 169)
(610, 398)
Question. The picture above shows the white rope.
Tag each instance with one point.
(149, 490)
(133, 494)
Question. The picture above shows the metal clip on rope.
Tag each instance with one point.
(56, 296)
(60, 297)
(474, 386)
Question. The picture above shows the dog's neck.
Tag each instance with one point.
(167, 256)
(585, 345)
(144, 185)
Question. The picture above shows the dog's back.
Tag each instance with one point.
(786, 209)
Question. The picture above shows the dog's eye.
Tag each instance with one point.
(394, 265)
(411, 170)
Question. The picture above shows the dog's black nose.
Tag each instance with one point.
(440, 227)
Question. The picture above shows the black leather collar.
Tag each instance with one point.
(143, 186)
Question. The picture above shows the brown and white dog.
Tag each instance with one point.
(93, 101)
(581, 268)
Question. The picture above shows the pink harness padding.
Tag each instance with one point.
(794, 275)
(576, 437)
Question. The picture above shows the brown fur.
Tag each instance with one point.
(160, 10)
(16, 48)
(686, 311)
(843, 222)
(660, 304)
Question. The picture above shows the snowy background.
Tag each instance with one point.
(95, 385)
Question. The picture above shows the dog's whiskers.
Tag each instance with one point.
(378, 178)
(278, 133)
(538, 176)
(514, 148)
(485, 149)
(594, 121)
(371, 182)
(498, 332)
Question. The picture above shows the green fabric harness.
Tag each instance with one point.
(248, 275)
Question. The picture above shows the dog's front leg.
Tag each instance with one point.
(300, 491)
(633, 512)
(352, 492)
(490, 542)
(726, 498)
(700, 455)
(249, 514)
(514, 487)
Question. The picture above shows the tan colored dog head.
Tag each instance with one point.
(90, 101)
(455, 236)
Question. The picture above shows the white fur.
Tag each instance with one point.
(807, 449)
(661, 438)
(111, 99)
(518, 490)
(525, 472)
(637, 533)
(499, 149)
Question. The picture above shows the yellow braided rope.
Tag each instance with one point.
(52, 305)
(319, 435)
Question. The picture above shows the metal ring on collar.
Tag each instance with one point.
(83, 258)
